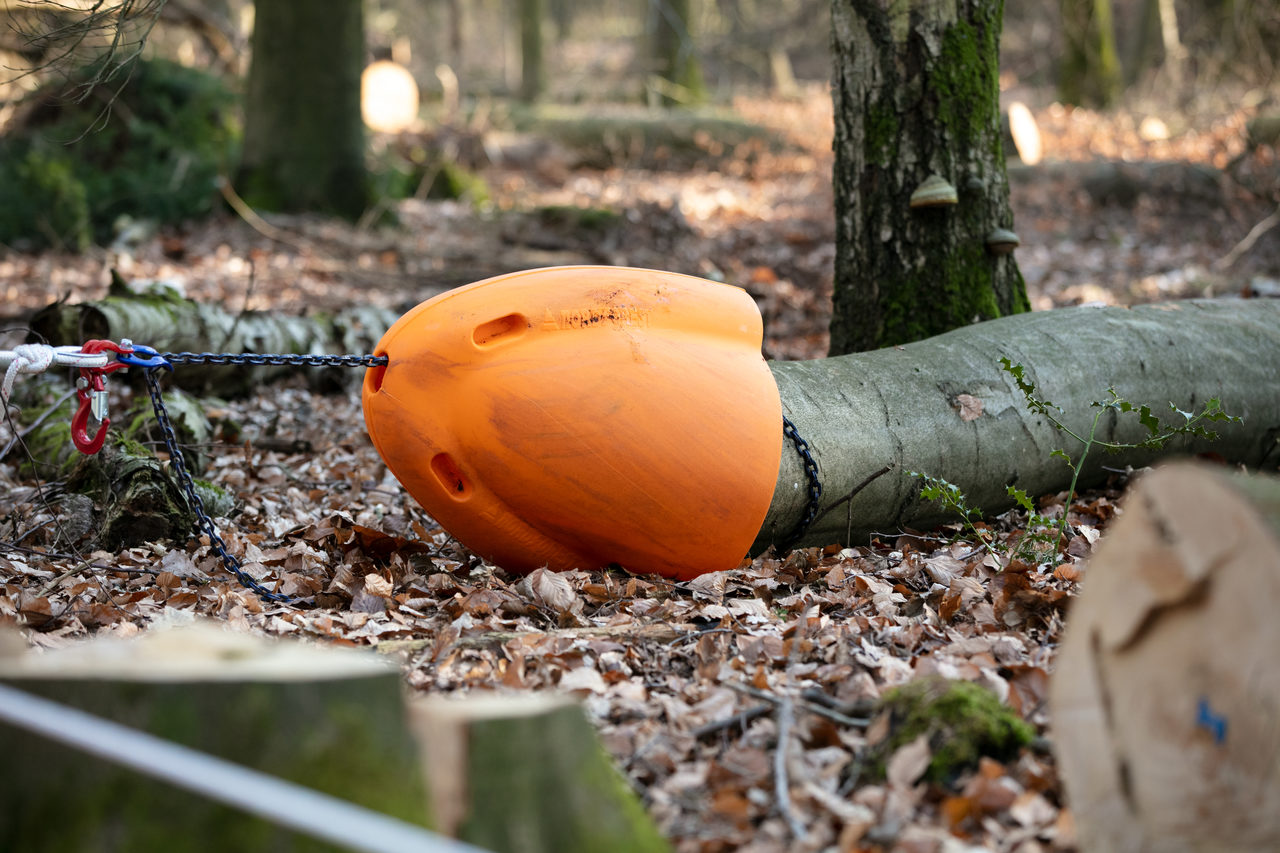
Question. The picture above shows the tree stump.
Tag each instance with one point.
(514, 774)
(527, 773)
(1166, 694)
(324, 718)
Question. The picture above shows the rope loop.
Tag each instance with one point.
(27, 358)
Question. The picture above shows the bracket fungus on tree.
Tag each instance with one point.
(1002, 241)
(934, 191)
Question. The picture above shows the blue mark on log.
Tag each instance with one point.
(1206, 719)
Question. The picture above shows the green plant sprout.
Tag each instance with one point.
(1158, 435)
(952, 498)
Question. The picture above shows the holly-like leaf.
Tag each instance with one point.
(1020, 497)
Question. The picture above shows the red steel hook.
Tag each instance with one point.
(91, 391)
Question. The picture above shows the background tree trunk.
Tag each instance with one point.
(303, 137)
(945, 408)
(1090, 74)
(533, 71)
(916, 93)
(674, 60)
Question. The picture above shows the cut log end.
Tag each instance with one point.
(1165, 695)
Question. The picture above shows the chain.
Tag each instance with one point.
(274, 359)
(815, 486)
(203, 521)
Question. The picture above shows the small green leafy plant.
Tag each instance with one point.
(952, 498)
(1042, 530)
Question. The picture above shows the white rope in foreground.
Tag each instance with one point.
(302, 809)
(37, 358)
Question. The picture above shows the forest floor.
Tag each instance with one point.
(687, 683)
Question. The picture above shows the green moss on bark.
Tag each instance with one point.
(966, 78)
(535, 772)
(339, 741)
(882, 127)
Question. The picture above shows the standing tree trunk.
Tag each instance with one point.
(533, 71)
(916, 100)
(679, 75)
(303, 136)
(1090, 73)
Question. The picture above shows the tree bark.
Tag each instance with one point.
(1167, 682)
(170, 323)
(526, 774)
(944, 407)
(916, 94)
(329, 720)
(303, 138)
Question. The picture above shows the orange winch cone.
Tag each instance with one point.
(576, 417)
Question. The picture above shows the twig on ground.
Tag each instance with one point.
(1249, 239)
(18, 437)
(811, 707)
(252, 219)
(781, 782)
(54, 555)
(739, 719)
(53, 584)
(489, 639)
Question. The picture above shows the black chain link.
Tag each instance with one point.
(259, 359)
(203, 521)
(815, 487)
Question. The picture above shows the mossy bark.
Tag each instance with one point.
(303, 136)
(170, 323)
(322, 718)
(944, 407)
(1090, 74)
(916, 94)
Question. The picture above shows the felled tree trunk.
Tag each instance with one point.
(945, 408)
(1167, 683)
(526, 774)
(170, 323)
(328, 720)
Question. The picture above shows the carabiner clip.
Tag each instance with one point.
(142, 356)
(92, 393)
(91, 390)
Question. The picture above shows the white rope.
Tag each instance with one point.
(37, 358)
(28, 358)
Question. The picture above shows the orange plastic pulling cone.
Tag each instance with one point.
(576, 417)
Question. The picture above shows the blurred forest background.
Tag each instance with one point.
(691, 135)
